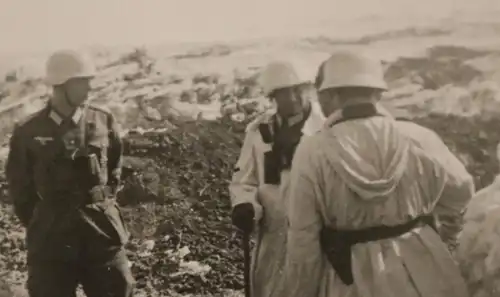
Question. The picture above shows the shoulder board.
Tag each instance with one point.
(403, 119)
(25, 120)
(110, 117)
(100, 108)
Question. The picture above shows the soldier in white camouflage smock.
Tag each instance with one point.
(260, 181)
(376, 204)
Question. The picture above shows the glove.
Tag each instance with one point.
(243, 217)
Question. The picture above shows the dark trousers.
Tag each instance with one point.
(109, 276)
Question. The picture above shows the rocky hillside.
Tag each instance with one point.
(183, 130)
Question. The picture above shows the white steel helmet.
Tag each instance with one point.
(281, 74)
(66, 64)
(351, 69)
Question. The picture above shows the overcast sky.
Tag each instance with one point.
(47, 24)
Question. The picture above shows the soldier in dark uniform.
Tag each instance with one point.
(63, 172)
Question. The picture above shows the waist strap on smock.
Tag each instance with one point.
(337, 244)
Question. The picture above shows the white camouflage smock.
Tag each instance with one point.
(399, 171)
(248, 186)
